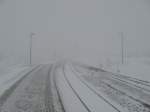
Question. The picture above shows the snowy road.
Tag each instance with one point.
(69, 87)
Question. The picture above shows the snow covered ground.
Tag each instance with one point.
(76, 96)
(8, 76)
(83, 89)
(134, 67)
(124, 93)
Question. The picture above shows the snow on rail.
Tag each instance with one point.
(123, 95)
(76, 96)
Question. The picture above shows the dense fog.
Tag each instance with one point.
(83, 30)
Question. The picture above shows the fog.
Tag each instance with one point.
(83, 30)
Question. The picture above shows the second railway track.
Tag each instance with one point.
(115, 96)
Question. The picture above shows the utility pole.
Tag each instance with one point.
(31, 39)
(122, 47)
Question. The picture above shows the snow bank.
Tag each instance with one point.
(137, 68)
(12, 76)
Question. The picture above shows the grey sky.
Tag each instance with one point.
(78, 29)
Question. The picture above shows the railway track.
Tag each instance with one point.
(142, 83)
(48, 94)
(97, 94)
(78, 96)
(116, 93)
(38, 92)
(33, 93)
(57, 101)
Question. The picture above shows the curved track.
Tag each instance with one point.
(39, 91)
(78, 96)
(33, 93)
(118, 92)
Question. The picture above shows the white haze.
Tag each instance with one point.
(86, 30)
